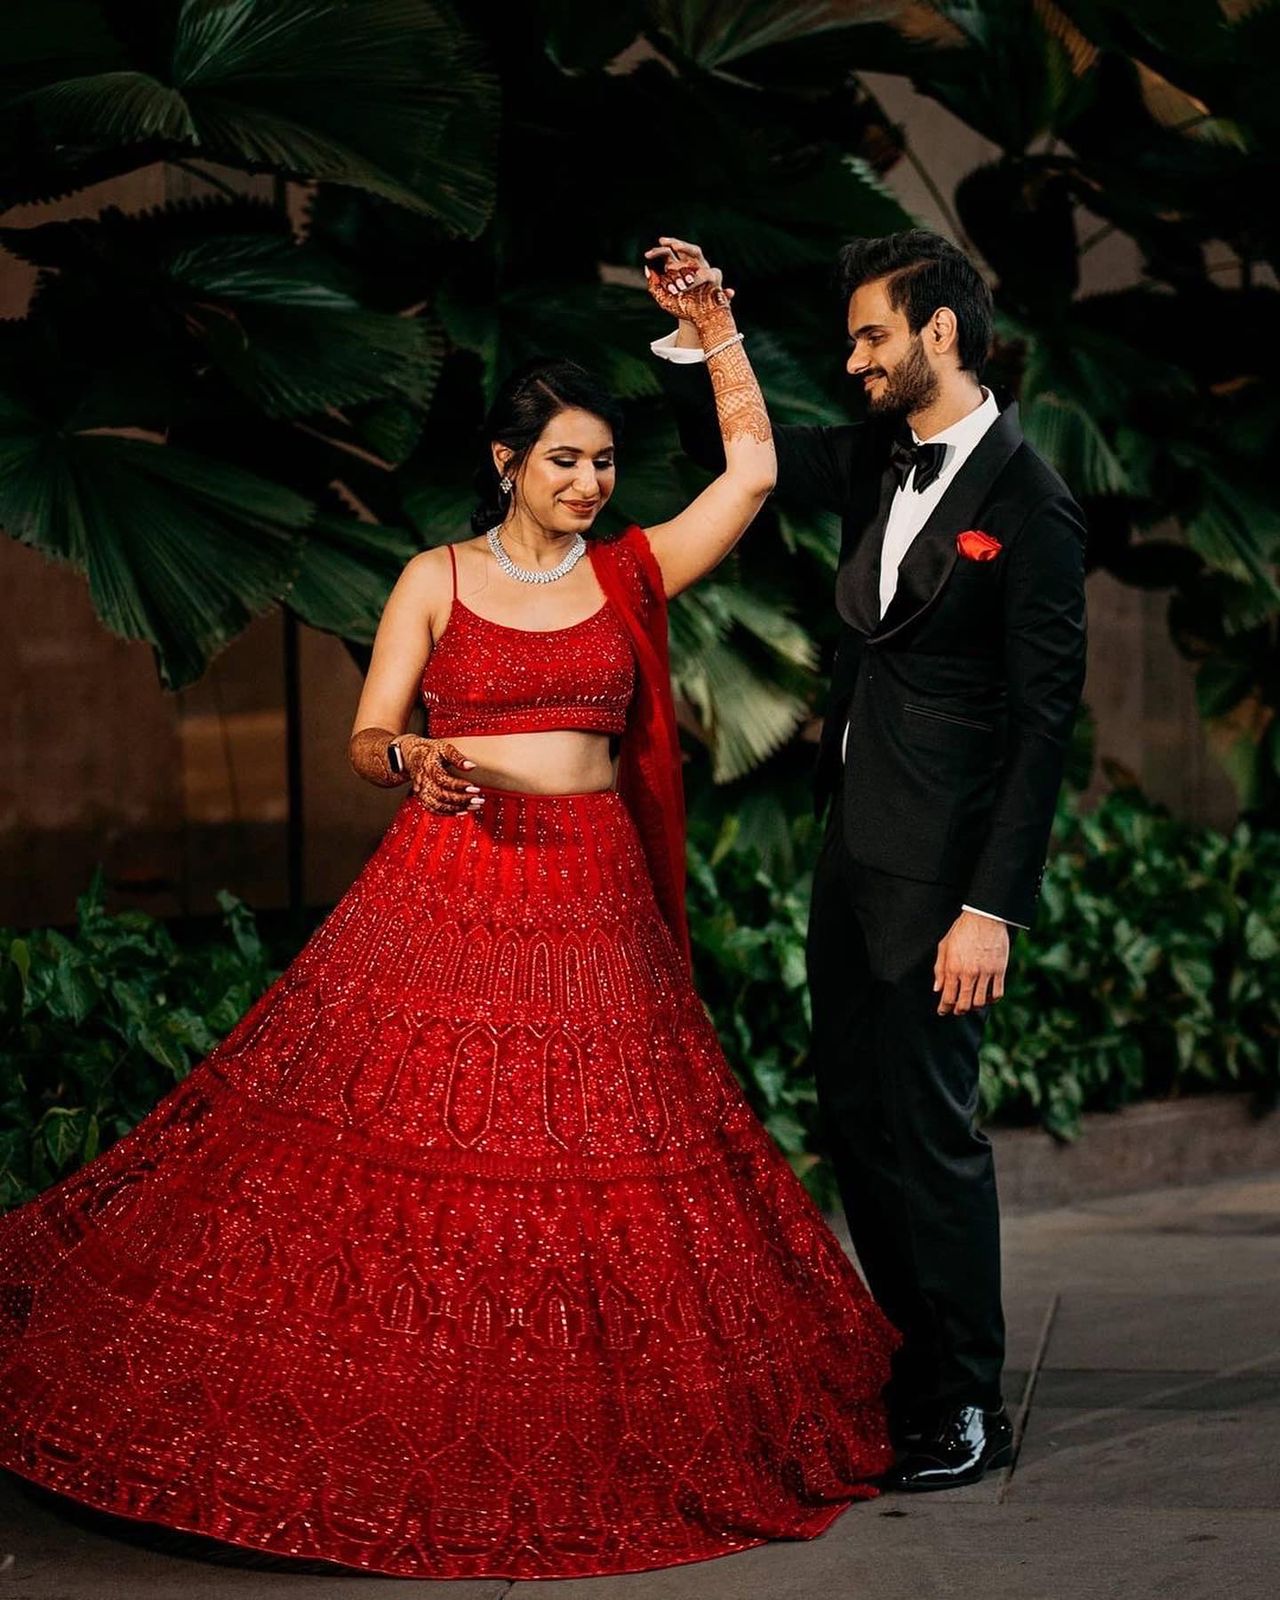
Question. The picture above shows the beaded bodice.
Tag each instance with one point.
(487, 677)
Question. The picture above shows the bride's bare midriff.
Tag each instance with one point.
(560, 761)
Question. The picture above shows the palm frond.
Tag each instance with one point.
(346, 571)
(746, 715)
(388, 96)
(1067, 434)
(179, 550)
(715, 33)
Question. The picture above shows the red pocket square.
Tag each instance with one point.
(975, 545)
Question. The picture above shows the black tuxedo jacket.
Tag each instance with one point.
(961, 698)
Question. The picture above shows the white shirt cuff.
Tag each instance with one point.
(993, 916)
(667, 348)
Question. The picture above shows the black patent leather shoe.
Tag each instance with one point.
(909, 1425)
(964, 1442)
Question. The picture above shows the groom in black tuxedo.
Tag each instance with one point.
(956, 679)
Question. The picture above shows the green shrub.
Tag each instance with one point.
(1150, 970)
(96, 1028)
(747, 924)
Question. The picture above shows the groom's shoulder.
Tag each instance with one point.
(1031, 476)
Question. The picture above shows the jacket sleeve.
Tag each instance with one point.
(815, 464)
(1044, 653)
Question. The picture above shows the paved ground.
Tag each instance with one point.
(1145, 1367)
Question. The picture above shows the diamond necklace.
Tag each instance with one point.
(537, 574)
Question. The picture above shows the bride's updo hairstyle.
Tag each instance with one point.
(521, 410)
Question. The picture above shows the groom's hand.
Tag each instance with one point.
(971, 963)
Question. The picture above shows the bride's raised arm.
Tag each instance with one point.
(698, 539)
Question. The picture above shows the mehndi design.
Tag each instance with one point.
(739, 403)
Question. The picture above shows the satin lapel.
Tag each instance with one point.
(858, 580)
(927, 564)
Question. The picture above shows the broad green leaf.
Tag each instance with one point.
(347, 571)
(389, 96)
(179, 550)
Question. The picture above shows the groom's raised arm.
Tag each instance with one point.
(816, 464)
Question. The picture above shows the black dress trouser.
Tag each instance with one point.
(898, 1093)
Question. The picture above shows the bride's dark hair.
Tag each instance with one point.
(521, 409)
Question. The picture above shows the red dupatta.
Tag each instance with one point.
(649, 778)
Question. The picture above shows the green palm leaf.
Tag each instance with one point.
(347, 570)
(297, 344)
(279, 319)
(1068, 435)
(745, 715)
(744, 667)
(179, 550)
(714, 33)
(388, 96)
(1235, 527)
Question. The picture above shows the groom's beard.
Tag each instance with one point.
(912, 385)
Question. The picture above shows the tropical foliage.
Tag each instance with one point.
(96, 1027)
(1149, 972)
(270, 394)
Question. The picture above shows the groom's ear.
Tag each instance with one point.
(944, 331)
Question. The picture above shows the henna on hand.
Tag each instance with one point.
(427, 763)
(684, 284)
(367, 753)
(440, 790)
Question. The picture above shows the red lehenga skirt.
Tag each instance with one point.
(463, 1254)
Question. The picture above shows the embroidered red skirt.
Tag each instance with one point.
(462, 1255)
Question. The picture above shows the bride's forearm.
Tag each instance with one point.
(740, 407)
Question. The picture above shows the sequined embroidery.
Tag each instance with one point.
(462, 1255)
(487, 677)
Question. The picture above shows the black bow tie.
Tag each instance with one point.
(926, 459)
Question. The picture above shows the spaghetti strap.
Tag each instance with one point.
(453, 562)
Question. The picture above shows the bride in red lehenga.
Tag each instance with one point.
(463, 1255)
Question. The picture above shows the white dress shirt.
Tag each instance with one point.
(909, 510)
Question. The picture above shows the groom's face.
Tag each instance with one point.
(885, 356)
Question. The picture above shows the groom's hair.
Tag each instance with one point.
(924, 271)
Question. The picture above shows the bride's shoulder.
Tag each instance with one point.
(636, 550)
(435, 565)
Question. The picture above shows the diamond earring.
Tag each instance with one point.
(504, 484)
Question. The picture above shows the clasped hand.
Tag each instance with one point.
(681, 280)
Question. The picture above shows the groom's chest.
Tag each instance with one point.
(909, 548)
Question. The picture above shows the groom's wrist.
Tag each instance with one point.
(993, 916)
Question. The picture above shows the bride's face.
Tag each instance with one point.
(568, 474)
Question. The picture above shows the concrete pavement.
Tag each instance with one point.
(1144, 1351)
